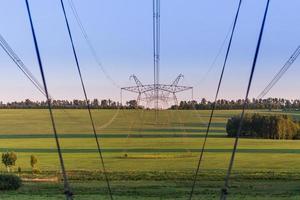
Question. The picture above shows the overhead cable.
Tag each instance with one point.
(279, 74)
(67, 189)
(87, 101)
(224, 191)
(215, 101)
(10, 52)
(90, 44)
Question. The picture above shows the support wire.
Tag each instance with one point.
(67, 189)
(224, 191)
(87, 101)
(215, 101)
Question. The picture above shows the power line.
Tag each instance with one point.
(21, 66)
(86, 98)
(281, 72)
(215, 100)
(67, 189)
(89, 44)
(10, 52)
(212, 65)
(224, 191)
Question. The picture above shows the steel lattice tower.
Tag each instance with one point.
(156, 93)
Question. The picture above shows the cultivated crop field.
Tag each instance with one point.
(146, 159)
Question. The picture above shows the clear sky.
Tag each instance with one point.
(121, 31)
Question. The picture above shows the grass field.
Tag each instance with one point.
(147, 159)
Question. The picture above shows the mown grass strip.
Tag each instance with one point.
(106, 135)
(144, 150)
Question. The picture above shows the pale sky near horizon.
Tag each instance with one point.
(121, 32)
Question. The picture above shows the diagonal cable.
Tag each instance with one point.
(215, 101)
(280, 73)
(29, 75)
(8, 50)
(224, 191)
(67, 189)
(89, 44)
(212, 65)
(87, 101)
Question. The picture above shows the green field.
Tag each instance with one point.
(147, 159)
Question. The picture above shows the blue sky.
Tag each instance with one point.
(121, 31)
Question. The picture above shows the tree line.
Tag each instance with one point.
(203, 104)
(70, 104)
(223, 104)
(264, 126)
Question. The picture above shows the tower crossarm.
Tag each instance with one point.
(136, 80)
(176, 81)
(139, 89)
(134, 89)
(174, 88)
(158, 92)
(162, 87)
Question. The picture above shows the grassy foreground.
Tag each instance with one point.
(146, 159)
(151, 190)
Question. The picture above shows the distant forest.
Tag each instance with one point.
(203, 104)
(223, 104)
(69, 104)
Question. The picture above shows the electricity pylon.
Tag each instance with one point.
(157, 93)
